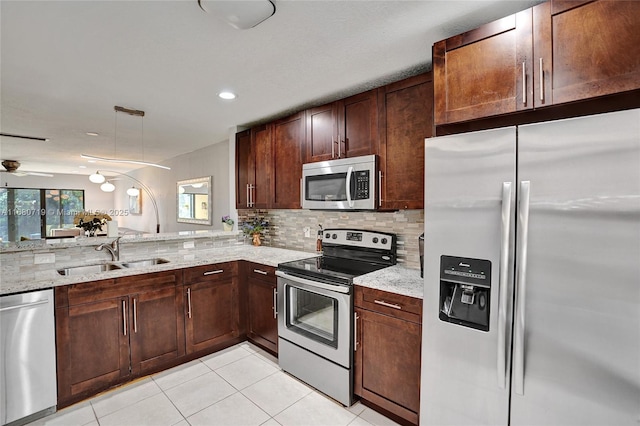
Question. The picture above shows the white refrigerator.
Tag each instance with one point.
(532, 275)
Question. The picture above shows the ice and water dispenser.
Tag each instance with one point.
(465, 291)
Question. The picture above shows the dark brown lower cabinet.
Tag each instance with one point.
(211, 307)
(387, 353)
(110, 331)
(262, 327)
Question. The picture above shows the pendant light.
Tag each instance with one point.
(141, 162)
(107, 187)
(96, 177)
(133, 191)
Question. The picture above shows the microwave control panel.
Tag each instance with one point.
(362, 185)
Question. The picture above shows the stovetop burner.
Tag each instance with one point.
(348, 253)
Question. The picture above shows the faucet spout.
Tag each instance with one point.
(113, 249)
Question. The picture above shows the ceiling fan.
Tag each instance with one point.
(11, 166)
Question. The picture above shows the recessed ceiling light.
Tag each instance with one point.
(227, 95)
(91, 134)
(91, 161)
(82, 167)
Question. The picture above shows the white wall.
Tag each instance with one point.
(212, 160)
(95, 199)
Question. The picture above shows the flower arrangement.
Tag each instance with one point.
(227, 219)
(255, 226)
(91, 222)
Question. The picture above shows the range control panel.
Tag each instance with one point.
(359, 238)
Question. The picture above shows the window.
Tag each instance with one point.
(33, 213)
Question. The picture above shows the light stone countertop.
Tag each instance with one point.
(264, 255)
(394, 279)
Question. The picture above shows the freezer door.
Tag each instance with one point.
(581, 312)
(469, 208)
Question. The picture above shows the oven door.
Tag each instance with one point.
(316, 316)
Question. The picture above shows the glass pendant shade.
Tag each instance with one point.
(133, 191)
(96, 178)
(107, 187)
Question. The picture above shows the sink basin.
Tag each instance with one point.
(144, 263)
(88, 269)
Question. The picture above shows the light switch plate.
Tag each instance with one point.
(307, 232)
(40, 258)
(188, 244)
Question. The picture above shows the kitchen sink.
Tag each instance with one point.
(88, 269)
(144, 263)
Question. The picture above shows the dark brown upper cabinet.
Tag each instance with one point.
(585, 49)
(345, 128)
(406, 119)
(287, 152)
(554, 53)
(253, 167)
(483, 72)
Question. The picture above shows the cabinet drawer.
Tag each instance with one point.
(393, 304)
(218, 271)
(261, 272)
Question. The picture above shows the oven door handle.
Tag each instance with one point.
(311, 283)
(349, 174)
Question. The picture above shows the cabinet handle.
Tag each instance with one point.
(219, 271)
(135, 317)
(541, 81)
(253, 195)
(275, 303)
(258, 271)
(524, 85)
(387, 304)
(355, 331)
(333, 148)
(124, 317)
(380, 188)
(248, 196)
(338, 142)
(189, 302)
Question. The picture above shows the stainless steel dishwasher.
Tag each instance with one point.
(27, 357)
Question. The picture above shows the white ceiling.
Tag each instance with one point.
(65, 65)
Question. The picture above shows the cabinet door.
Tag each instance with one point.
(245, 168)
(211, 311)
(261, 192)
(321, 133)
(288, 139)
(585, 49)
(157, 329)
(387, 362)
(263, 325)
(358, 125)
(406, 119)
(92, 341)
(484, 72)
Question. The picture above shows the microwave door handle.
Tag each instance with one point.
(349, 173)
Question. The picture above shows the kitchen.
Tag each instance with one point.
(398, 222)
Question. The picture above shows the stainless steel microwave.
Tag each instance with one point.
(345, 184)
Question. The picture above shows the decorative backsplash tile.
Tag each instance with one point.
(286, 228)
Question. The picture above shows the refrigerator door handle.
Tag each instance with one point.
(518, 355)
(503, 284)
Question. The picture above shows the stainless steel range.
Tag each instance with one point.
(315, 306)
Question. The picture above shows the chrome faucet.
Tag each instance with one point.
(113, 248)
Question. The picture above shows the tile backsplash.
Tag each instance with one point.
(286, 228)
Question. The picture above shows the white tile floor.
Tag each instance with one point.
(241, 385)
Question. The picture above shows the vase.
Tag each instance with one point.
(256, 240)
(227, 227)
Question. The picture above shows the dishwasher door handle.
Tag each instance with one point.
(24, 305)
